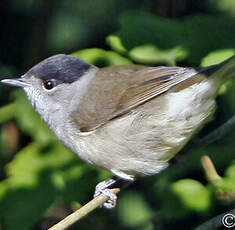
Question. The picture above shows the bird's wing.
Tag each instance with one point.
(155, 81)
(118, 90)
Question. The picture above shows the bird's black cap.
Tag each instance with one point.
(62, 68)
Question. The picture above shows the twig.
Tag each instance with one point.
(83, 211)
(216, 180)
(210, 170)
(218, 133)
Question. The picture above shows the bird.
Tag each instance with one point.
(129, 119)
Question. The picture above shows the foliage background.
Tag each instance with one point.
(41, 181)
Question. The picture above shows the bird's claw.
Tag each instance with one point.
(103, 187)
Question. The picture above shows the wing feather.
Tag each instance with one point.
(118, 90)
(147, 90)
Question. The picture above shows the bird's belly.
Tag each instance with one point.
(144, 149)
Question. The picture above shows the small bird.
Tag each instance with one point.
(130, 120)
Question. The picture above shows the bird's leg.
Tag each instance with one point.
(105, 188)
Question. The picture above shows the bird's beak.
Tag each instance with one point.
(20, 82)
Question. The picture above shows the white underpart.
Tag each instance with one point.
(189, 101)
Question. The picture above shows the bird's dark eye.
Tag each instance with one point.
(49, 84)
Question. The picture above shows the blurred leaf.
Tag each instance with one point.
(101, 57)
(22, 200)
(138, 29)
(133, 210)
(184, 197)
(228, 6)
(150, 54)
(147, 38)
(30, 161)
(230, 171)
(226, 184)
(193, 195)
(7, 112)
(205, 33)
(34, 182)
(217, 57)
(116, 44)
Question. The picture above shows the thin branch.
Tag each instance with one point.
(214, 178)
(83, 211)
(218, 133)
(210, 170)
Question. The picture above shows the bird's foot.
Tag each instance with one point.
(104, 187)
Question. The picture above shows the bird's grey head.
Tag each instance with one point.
(52, 84)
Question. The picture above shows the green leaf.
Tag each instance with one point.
(150, 54)
(230, 171)
(35, 179)
(226, 184)
(116, 44)
(101, 57)
(140, 29)
(227, 6)
(133, 210)
(217, 57)
(7, 112)
(145, 39)
(192, 194)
